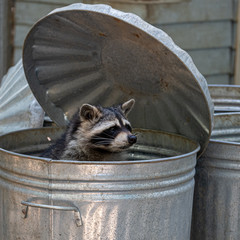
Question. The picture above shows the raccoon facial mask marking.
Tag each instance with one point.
(115, 135)
(104, 125)
(127, 125)
(106, 137)
(115, 138)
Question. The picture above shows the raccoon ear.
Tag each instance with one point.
(127, 106)
(89, 112)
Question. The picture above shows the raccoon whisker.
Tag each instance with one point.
(107, 140)
(102, 142)
(104, 138)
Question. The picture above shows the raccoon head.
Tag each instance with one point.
(107, 128)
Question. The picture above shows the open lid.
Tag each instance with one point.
(95, 54)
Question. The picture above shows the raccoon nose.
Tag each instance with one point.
(132, 139)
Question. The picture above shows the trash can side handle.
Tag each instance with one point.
(77, 214)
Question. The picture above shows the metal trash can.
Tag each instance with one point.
(136, 199)
(217, 190)
(98, 55)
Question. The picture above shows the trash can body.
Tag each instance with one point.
(136, 199)
(217, 190)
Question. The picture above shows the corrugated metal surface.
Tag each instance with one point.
(129, 200)
(217, 190)
(226, 98)
(198, 26)
(18, 107)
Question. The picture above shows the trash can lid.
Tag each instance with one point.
(95, 54)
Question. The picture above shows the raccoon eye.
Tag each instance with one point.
(113, 129)
(128, 127)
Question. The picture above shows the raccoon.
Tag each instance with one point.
(95, 133)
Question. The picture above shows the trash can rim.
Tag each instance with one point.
(130, 162)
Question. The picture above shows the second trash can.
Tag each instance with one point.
(216, 199)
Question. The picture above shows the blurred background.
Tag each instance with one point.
(206, 29)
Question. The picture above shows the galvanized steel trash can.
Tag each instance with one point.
(130, 200)
(96, 54)
(216, 205)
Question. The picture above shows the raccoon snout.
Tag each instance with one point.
(132, 139)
